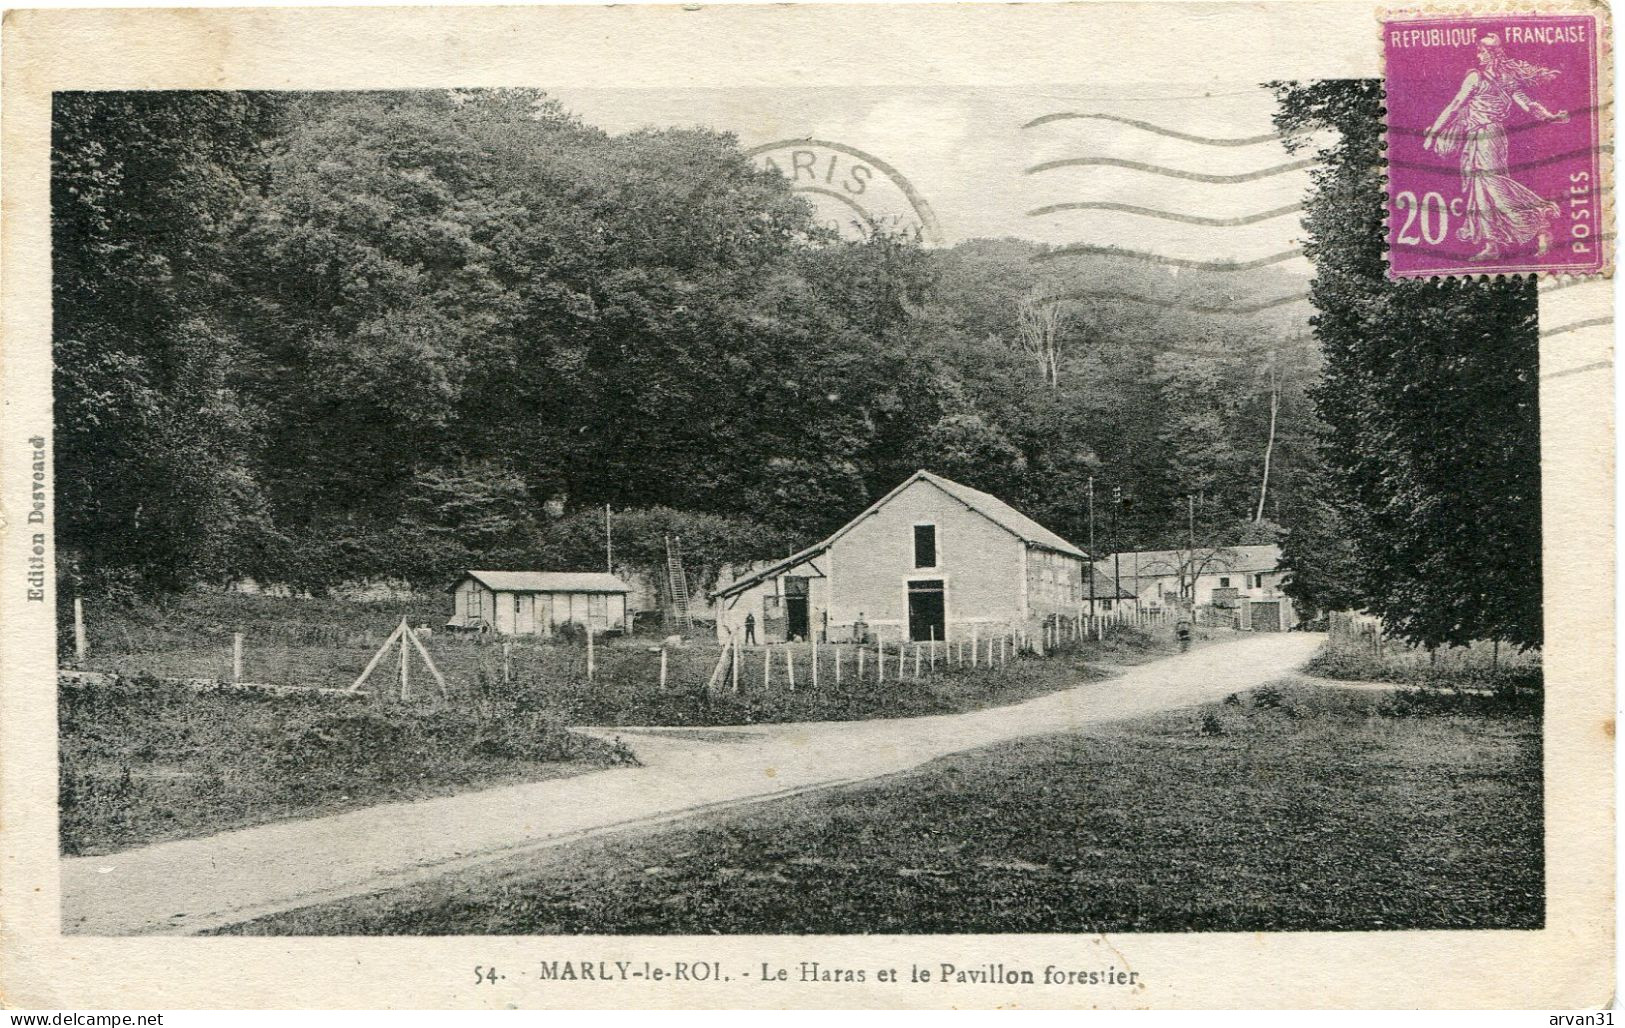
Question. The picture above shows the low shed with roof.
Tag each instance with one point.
(930, 559)
(537, 602)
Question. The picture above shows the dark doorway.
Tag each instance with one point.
(1266, 617)
(795, 608)
(926, 610)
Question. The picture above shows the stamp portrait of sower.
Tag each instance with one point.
(1501, 212)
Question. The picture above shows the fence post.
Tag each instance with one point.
(507, 665)
(838, 654)
(662, 667)
(933, 649)
(815, 663)
(880, 660)
(916, 662)
(790, 665)
(236, 653)
(714, 681)
(861, 651)
(80, 646)
(406, 685)
(591, 666)
(973, 645)
(767, 667)
(734, 646)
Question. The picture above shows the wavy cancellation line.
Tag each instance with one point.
(1268, 137)
(1582, 369)
(1113, 294)
(1465, 256)
(1575, 326)
(1148, 212)
(1147, 126)
(1088, 250)
(1158, 169)
(1509, 130)
(1291, 166)
(1539, 162)
(1231, 351)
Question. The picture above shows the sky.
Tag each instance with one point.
(970, 152)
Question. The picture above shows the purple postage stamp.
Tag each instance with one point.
(1496, 156)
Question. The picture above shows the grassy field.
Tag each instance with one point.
(144, 762)
(1297, 808)
(287, 643)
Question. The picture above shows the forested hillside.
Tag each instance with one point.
(317, 337)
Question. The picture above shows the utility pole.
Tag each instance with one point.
(1190, 506)
(1117, 554)
(1092, 554)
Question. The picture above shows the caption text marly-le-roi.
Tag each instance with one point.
(805, 972)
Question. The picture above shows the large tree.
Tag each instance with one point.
(152, 436)
(1430, 409)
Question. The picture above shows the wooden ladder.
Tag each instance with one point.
(677, 579)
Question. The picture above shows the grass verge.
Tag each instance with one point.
(1478, 666)
(143, 762)
(1294, 808)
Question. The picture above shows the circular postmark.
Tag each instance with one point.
(853, 192)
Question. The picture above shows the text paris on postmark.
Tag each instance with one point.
(1497, 161)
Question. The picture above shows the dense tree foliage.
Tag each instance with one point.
(1429, 465)
(313, 338)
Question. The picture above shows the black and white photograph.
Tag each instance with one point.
(810, 510)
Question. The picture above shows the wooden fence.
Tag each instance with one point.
(440, 663)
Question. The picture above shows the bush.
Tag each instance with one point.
(570, 634)
(1266, 697)
(1406, 703)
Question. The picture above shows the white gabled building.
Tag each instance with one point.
(931, 558)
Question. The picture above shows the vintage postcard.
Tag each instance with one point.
(881, 506)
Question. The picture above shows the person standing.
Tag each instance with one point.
(750, 629)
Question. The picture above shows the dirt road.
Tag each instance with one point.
(197, 884)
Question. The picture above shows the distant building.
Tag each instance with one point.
(537, 602)
(930, 559)
(1106, 596)
(1243, 580)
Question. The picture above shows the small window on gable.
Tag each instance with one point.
(925, 546)
(1224, 583)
